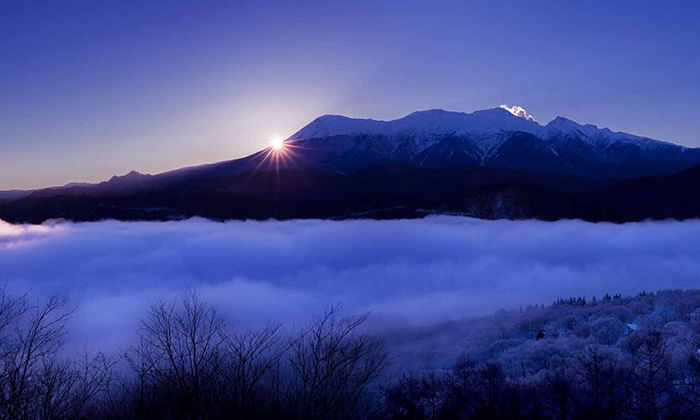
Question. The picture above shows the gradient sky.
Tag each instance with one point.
(90, 89)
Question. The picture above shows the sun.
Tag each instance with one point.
(277, 143)
(279, 154)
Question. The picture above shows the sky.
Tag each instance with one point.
(90, 89)
(405, 272)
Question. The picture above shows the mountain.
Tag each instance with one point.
(487, 164)
(492, 138)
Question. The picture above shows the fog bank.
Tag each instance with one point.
(415, 271)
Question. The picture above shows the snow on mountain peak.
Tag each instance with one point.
(519, 112)
(429, 122)
(484, 130)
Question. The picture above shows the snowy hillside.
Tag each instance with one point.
(439, 138)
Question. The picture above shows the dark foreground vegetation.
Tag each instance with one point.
(611, 358)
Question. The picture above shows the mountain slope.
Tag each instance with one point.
(377, 192)
(439, 138)
(488, 164)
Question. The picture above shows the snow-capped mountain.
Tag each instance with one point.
(421, 130)
(505, 137)
(495, 163)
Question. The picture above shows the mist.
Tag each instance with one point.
(406, 272)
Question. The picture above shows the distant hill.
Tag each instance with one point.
(378, 192)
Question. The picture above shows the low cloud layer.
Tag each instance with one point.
(407, 271)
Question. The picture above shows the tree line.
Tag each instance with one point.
(186, 362)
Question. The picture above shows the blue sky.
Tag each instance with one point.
(89, 89)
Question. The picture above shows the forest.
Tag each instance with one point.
(611, 357)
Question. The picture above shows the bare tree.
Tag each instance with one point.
(137, 389)
(651, 373)
(559, 393)
(689, 389)
(37, 339)
(11, 309)
(94, 376)
(252, 356)
(463, 396)
(56, 383)
(71, 389)
(491, 384)
(435, 393)
(405, 399)
(182, 343)
(603, 382)
(332, 365)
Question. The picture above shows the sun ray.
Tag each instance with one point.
(279, 155)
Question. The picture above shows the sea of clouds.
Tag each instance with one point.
(406, 272)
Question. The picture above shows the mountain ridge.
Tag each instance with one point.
(379, 192)
(489, 164)
(552, 132)
(476, 138)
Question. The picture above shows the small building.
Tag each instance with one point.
(629, 329)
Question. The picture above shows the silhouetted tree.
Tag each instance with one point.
(604, 383)
(182, 343)
(651, 373)
(332, 365)
(250, 358)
